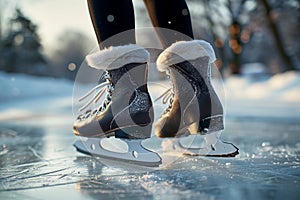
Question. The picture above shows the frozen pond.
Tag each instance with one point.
(38, 161)
(41, 163)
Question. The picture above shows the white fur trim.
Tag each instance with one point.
(183, 51)
(115, 57)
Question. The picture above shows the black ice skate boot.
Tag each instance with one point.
(127, 110)
(194, 105)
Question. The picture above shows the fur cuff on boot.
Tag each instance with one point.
(183, 51)
(117, 56)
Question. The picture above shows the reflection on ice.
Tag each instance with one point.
(37, 160)
(266, 163)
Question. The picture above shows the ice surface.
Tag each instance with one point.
(38, 161)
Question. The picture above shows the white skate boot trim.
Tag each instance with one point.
(129, 151)
(183, 51)
(117, 56)
(212, 146)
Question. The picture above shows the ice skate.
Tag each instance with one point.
(194, 107)
(125, 114)
(209, 145)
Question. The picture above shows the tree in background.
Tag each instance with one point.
(228, 26)
(242, 31)
(72, 47)
(21, 48)
(279, 40)
(248, 31)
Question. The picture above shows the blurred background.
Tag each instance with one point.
(256, 41)
(51, 38)
(44, 42)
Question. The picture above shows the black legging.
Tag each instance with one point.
(111, 17)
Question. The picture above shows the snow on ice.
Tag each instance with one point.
(43, 157)
(274, 97)
(24, 96)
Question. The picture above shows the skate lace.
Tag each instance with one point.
(105, 86)
(167, 96)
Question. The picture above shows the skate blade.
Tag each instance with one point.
(212, 146)
(132, 153)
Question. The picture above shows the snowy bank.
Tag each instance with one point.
(18, 86)
(25, 97)
(275, 97)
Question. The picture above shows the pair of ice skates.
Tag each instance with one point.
(127, 112)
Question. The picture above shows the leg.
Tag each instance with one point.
(127, 104)
(111, 17)
(170, 14)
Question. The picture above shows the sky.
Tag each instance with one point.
(53, 17)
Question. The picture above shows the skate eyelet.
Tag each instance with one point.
(109, 91)
(205, 130)
(135, 154)
(173, 146)
(93, 147)
(212, 148)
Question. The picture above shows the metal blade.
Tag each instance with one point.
(136, 153)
